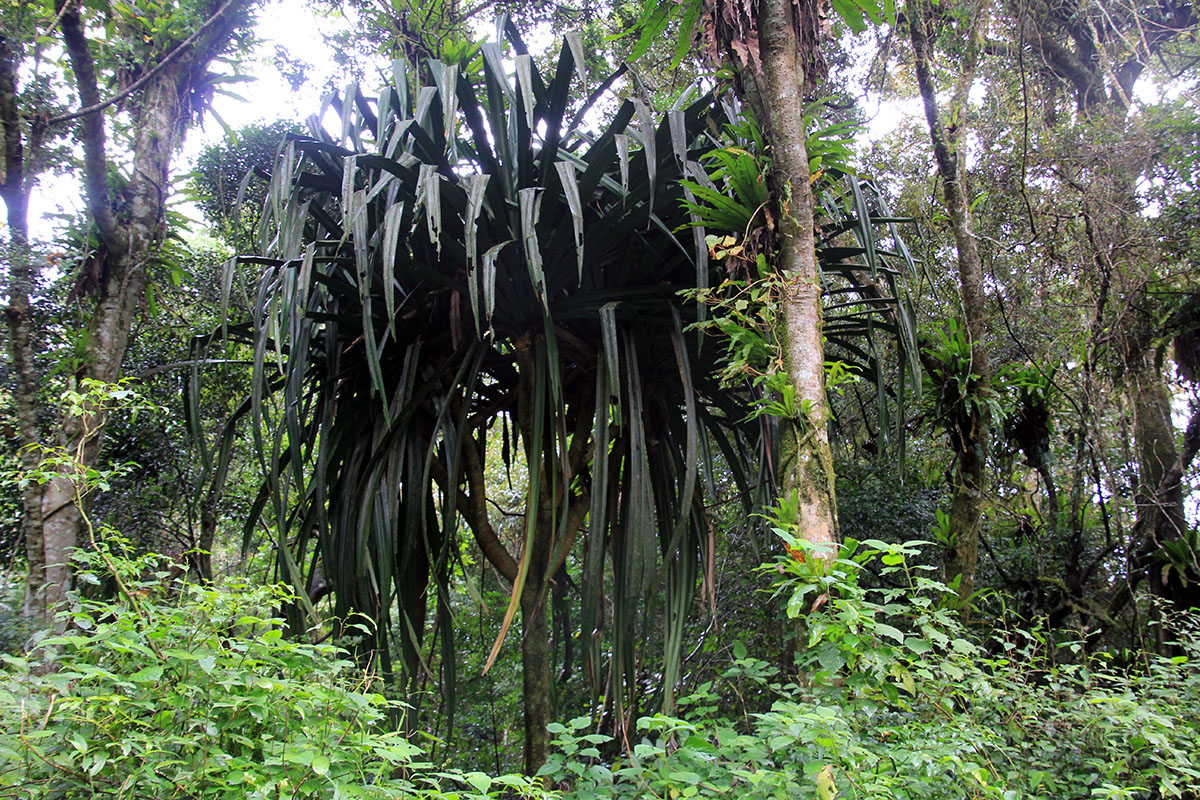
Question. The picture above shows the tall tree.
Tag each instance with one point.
(789, 35)
(163, 81)
(774, 45)
(478, 272)
(775, 48)
(1090, 60)
(970, 422)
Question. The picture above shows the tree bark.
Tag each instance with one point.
(15, 193)
(208, 533)
(1159, 498)
(536, 678)
(536, 682)
(127, 246)
(971, 439)
(777, 97)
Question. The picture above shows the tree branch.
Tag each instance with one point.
(1065, 64)
(145, 373)
(91, 127)
(473, 507)
(96, 106)
(918, 20)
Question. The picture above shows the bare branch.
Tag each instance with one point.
(199, 362)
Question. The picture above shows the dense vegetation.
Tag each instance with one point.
(595, 409)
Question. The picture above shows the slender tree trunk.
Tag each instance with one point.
(17, 315)
(208, 533)
(972, 438)
(127, 246)
(536, 678)
(777, 97)
(25, 394)
(537, 684)
(15, 193)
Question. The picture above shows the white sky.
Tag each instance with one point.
(296, 27)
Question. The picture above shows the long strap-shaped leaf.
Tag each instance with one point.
(534, 460)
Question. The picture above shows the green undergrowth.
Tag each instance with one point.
(182, 691)
(896, 700)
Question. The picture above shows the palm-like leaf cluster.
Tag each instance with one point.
(470, 266)
(870, 324)
(470, 273)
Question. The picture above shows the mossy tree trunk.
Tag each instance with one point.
(971, 437)
(776, 95)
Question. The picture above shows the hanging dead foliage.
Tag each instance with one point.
(729, 29)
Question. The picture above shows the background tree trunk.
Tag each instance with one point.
(20, 344)
(19, 157)
(971, 440)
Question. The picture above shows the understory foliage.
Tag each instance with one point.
(894, 699)
(187, 691)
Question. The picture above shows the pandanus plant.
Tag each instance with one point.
(472, 265)
(474, 272)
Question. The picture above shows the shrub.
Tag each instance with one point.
(197, 693)
(895, 700)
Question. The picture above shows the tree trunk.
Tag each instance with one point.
(208, 533)
(127, 246)
(971, 439)
(1159, 501)
(17, 315)
(537, 683)
(535, 632)
(25, 394)
(15, 193)
(535, 672)
(777, 97)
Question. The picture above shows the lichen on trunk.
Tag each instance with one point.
(776, 95)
